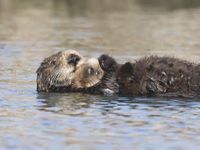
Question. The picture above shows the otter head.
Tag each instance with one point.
(57, 70)
(87, 74)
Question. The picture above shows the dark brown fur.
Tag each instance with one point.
(158, 76)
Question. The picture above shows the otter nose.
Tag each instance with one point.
(73, 59)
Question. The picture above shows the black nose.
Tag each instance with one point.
(73, 59)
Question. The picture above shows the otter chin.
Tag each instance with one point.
(68, 71)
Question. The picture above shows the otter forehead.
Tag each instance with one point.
(88, 62)
(93, 61)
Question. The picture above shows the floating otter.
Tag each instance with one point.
(154, 76)
(68, 71)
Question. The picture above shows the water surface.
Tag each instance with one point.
(128, 30)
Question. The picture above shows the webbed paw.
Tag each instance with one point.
(107, 63)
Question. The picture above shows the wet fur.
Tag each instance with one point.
(157, 76)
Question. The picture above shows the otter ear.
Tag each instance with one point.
(126, 68)
(107, 63)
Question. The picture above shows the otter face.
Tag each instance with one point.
(57, 70)
(87, 74)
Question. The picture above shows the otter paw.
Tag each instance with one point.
(108, 92)
(107, 63)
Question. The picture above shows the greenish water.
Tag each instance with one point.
(127, 30)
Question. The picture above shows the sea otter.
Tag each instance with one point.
(68, 71)
(154, 76)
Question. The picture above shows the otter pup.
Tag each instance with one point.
(68, 71)
(90, 78)
(156, 76)
(88, 74)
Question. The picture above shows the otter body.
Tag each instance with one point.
(69, 71)
(156, 76)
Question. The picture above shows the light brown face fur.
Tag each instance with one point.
(87, 74)
(68, 69)
(57, 70)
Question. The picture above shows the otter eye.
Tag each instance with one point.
(91, 71)
(97, 72)
(73, 59)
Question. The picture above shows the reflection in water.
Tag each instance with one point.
(33, 29)
(66, 103)
(125, 119)
(77, 103)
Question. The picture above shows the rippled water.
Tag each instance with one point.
(33, 30)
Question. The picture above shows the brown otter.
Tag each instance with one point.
(88, 73)
(154, 76)
(68, 71)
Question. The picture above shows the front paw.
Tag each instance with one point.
(108, 92)
(107, 63)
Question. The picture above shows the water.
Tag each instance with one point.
(127, 30)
